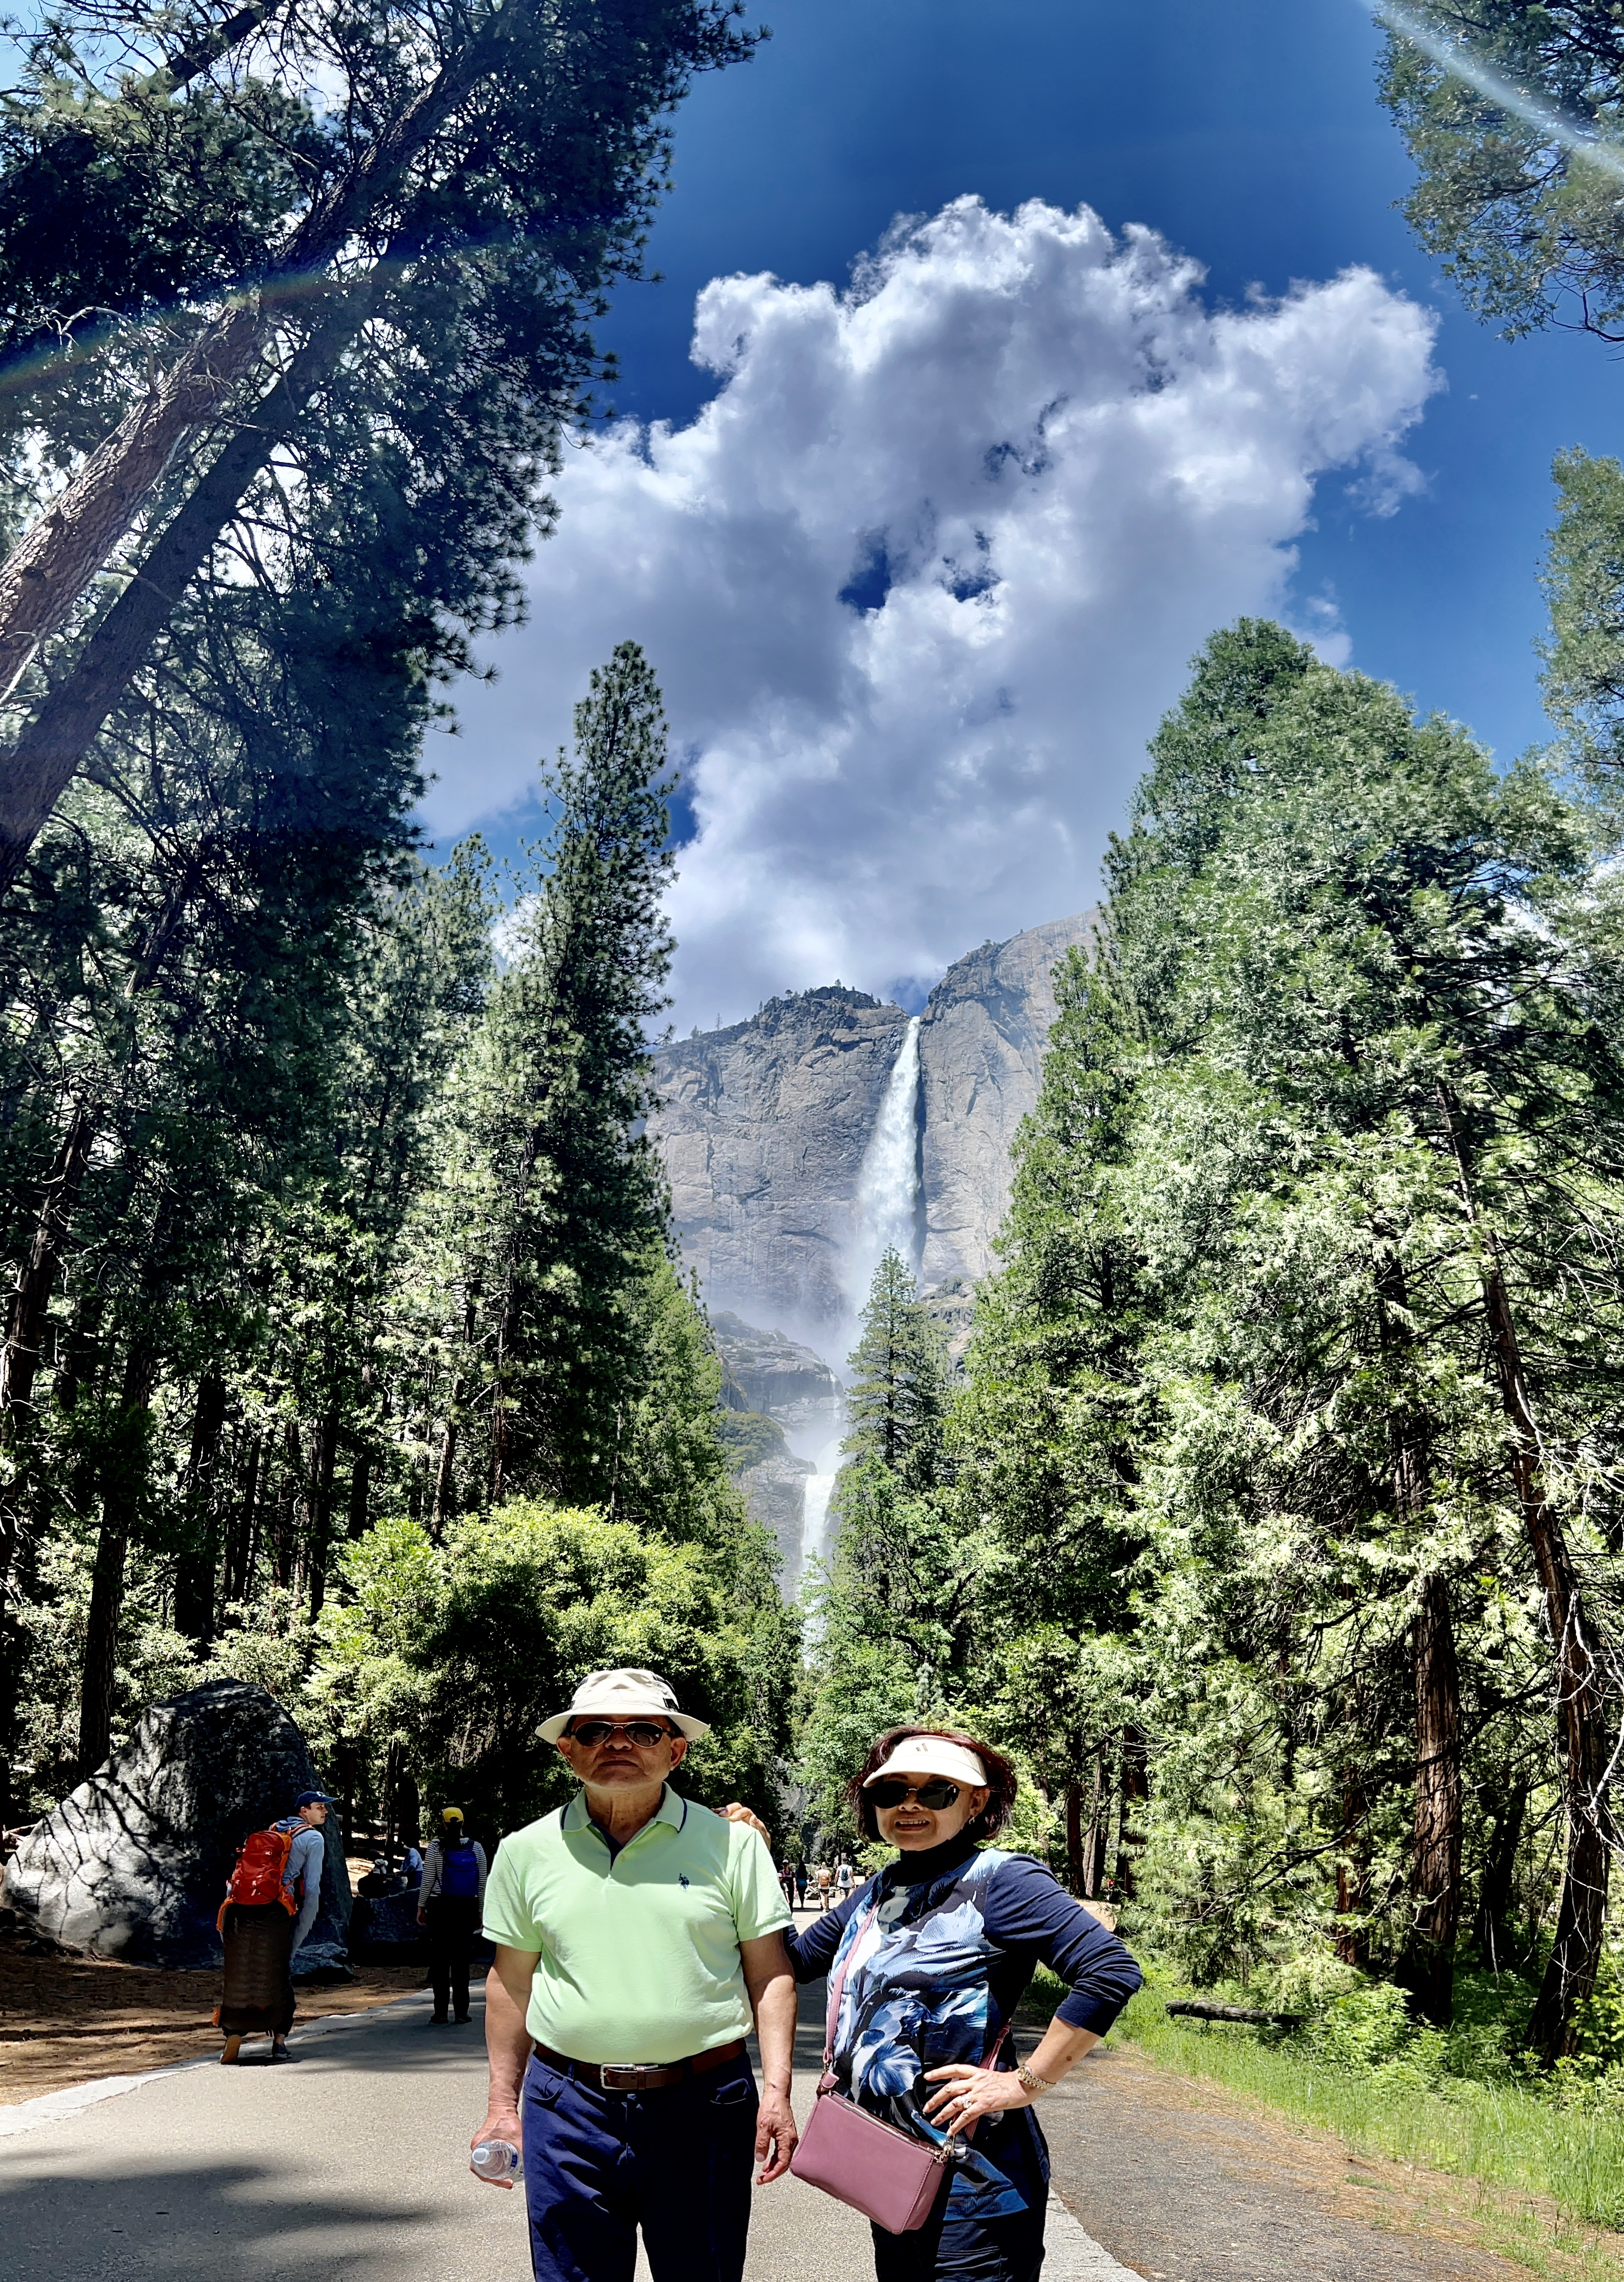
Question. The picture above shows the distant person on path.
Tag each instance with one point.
(636, 1934)
(800, 1883)
(450, 1900)
(824, 1883)
(786, 1879)
(843, 1879)
(984, 1919)
(262, 1938)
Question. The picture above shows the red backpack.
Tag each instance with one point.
(261, 1868)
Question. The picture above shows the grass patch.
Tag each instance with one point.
(1566, 2153)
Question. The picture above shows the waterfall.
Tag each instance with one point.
(815, 1510)
(888, 1179)
(887, 1210)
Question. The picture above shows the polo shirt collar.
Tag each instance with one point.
(672, 1808)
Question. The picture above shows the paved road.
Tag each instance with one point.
(348, 2166)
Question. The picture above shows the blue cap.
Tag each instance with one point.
(315, 1798)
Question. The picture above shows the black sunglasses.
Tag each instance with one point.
(935, 1794)
(643, 1733)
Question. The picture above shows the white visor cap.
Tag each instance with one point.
(630, 1693)
(932, 1755)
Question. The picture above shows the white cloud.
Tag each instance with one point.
(1041, 470)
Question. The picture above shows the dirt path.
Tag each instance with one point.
(64, 2019)
(1183, 2182)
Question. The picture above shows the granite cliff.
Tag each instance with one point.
(981, 1045)
(800, 1141)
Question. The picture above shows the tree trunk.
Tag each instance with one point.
(101, 1645)
(1093, 1836)
(501, 1416)
(1494, 1939)
(320, 1510)
(49, 572)
(1074, 1837)
(1135, 1789)
(59, 734)
(445, 1475)
(1352, 1877)
(26, 1333)
(79, 1350)
(60, 553)
(360, 1470)
(1570, 1976)
(1437, 1803)
(240, 1552)
(31, 1301)
(1353, 1867)
(286, 1548)
(1436, 1870)
(196, 1574)
(120, 1504)
(361, 1491)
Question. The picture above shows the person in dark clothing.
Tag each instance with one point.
(450, 1909)
(938, 1950)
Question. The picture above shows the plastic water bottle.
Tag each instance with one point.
(494, 2159)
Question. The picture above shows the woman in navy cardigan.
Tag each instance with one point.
(938, 1950)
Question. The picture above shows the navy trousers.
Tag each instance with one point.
(993, 2250)
(677, 2162)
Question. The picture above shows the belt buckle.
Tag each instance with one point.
(628, 2076)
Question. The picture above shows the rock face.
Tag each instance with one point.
(133, 1863)
(981, 1056)
(775, 1491)
(777, 1379)
(781, 1378)
(762, 1131)
(764, 1126)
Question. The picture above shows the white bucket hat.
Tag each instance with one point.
(627, 1694)
(932, 1755)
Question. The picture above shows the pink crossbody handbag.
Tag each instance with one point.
(889, 2176)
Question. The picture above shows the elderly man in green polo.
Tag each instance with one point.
(636, 1934)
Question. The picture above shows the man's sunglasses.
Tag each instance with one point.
(934, 1795)
(643, 1733)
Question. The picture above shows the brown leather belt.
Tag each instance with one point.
(652, 2075)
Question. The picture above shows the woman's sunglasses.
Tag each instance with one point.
(934, 1795)
(643, 1733)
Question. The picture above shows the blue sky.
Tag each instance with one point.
(1249, 135)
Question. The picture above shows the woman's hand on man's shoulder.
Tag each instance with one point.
(735, 1813)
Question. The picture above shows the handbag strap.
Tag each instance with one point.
(837, 1988)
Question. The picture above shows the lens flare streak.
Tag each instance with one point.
(1579, 140)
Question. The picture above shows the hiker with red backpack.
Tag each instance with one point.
(272, 1897)
(450, 1906)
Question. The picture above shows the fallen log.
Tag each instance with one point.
(1196, 2009)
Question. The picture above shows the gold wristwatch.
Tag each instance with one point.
(1035, 2084)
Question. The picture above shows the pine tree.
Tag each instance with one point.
(1310, 1279)
(897, 1399)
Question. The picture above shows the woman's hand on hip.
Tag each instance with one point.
(967, 2092)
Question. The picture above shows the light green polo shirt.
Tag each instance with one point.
(639, 1949)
